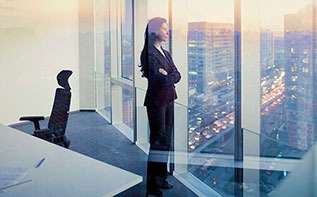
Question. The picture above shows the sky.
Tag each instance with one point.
(21, 12)
(271, 12)
(31, 13)
(211, 10)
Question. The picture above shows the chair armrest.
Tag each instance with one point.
(43, 132)
(34, 119)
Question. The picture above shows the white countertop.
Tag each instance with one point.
(64, 173)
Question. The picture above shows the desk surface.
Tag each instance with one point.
(63, 173)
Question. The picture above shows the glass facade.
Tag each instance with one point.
(283, 69)
(211, 88)
(287, 63)
(127, 60)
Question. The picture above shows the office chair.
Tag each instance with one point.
(57, 123)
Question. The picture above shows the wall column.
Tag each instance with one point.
(86, 55)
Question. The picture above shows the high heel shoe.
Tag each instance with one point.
(166, 185)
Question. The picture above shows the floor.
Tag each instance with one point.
(93, 136)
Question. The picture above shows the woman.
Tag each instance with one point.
(159, 69)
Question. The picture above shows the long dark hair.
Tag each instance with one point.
(152, 26)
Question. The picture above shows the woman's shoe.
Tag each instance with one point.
(166, 185)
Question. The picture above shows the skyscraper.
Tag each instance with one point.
(299, 80)
(211, 66)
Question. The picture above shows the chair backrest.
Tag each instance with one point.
(60, 110)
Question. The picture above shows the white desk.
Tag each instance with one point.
(64, 173)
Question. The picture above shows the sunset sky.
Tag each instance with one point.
(15, 13)
(32, 13)
(271, 11)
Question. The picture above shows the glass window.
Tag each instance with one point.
(102, 58)
(211, 88)
(107, 74)
(287, 115)
(283, 70)
(127, 108)
(127, 54)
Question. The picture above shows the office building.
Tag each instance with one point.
(299, 80)
(224, 146)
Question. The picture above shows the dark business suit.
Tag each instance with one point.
(159, 101)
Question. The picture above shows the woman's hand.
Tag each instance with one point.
(162, 71)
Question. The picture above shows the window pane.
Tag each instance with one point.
(127, 108)
(211, 90)
(127, 39)
(107, 85)
(102, 58)
(287, 112)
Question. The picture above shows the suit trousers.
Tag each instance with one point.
(161, 122)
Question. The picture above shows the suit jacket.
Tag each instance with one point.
(161, 88)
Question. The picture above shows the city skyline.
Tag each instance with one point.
(286, 107)
(203, 39)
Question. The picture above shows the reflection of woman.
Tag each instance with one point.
(159, 69)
